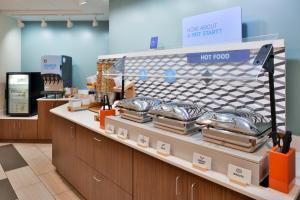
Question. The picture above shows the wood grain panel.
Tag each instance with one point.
(103, 188)
(114, 161)
(45, 119)
(28, 129)
(84, 144)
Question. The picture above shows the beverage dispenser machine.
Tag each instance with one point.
(56, 72)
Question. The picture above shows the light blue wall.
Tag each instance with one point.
(83, 43)
(133, 22)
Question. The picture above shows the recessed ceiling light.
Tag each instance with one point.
(82, 2)
(43, 23)
(95, 22)
(69, 23)
(20, 24)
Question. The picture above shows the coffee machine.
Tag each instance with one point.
(56, 71)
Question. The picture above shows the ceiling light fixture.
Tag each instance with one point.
(69, 23)
(20, 24)
(95, 22)
(82, 2)
(43, 23)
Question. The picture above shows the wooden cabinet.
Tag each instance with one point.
(84, 144)
(27, 129)
(94, 186)
(199, 188)
(101, 168)
(103, 188)
(15, 129)
(7, 130)
(113, 160)
(156, 180)
(108, 157)
(84, 182)
(45, 119)
(64, 148)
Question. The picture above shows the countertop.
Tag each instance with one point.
(86, 119)
(4, 116)
(49, 99)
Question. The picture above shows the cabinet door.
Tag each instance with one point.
(27, 129)
(64, 151)
(84, 144)
(105, 189)
(113, 160)
(156, 180)
(199, 188)
(144, 177)
(45, 119)
(7, 129)
(172, 182)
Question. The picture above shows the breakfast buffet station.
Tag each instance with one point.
(192, 123)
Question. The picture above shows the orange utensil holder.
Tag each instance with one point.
(105, 113)
(282, 169)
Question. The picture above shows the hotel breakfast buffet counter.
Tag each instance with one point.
(127, 174)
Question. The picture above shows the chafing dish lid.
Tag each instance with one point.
(179, 111)
(242, 121)
(140, 104)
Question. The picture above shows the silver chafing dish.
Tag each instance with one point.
(136, 109)
(177, 117)
(240, 129)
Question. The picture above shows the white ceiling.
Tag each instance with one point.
(55, 10)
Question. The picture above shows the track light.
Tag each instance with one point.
(20, 24)
(43, 23)
(82, 2)
(69, 23)
(95, 22)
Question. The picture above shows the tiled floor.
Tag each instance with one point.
(27, 173)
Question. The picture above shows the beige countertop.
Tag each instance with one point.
(4, 116)
(49, 99)
(86, 119)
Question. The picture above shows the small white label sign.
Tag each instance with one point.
(163, 148)
(110, 129)
(122, 133)
(239, 174)
(201, 161)
(143, 141)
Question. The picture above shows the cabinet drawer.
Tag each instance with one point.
(103, 188)
(108, 157)
(113, 160)
(84, 181)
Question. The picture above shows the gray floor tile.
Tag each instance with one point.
(6, 191)
(10, 158)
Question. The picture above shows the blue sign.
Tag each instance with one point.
(220, 56)
(154, 42)
(212, 28)
(170, 75)
(143, 74)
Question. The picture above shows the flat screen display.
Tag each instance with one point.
(223, 26)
